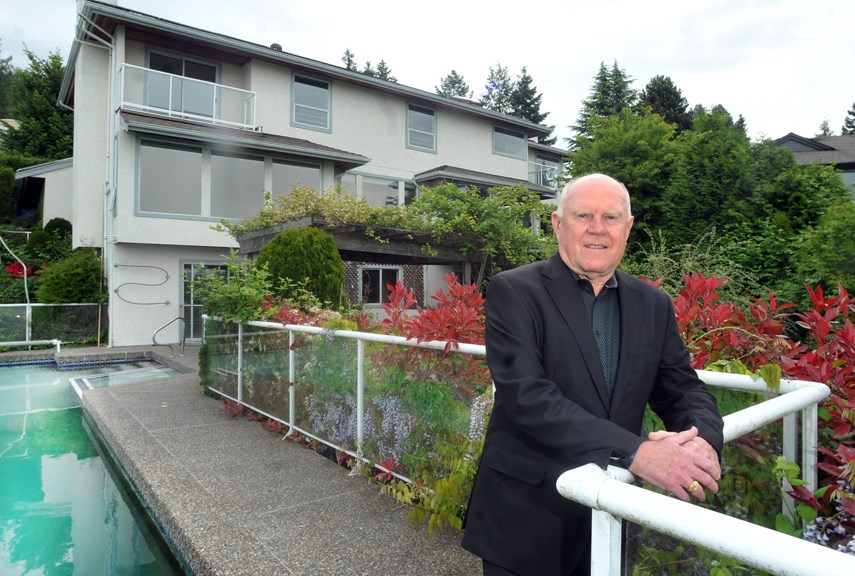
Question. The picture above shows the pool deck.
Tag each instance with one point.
(234, 499)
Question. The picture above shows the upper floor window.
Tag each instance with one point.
(192, 95)
(421, 128)
(509, 143)
(311, 103)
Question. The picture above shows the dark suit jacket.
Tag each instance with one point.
(552, 411)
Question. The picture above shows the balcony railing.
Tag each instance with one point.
(177, 96)
(543, 175)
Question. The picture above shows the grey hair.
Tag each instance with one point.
(562, 195)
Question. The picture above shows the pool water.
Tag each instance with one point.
(62, 509)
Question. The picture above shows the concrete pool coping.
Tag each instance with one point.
(234, 499)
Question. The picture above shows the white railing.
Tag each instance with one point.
(167, 94)
(543, 175)
(607, 492)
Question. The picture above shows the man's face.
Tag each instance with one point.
(593, 227)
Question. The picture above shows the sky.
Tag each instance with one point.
(784, 65)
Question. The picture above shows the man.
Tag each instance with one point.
(576, 351)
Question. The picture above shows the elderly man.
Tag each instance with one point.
(577, 350)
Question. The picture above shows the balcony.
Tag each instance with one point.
(543, 175)
(177, 96)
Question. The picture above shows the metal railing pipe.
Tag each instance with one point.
(762, 548)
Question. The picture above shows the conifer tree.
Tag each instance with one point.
(498, 90)
(849, 123)
(349, 59)
(525, 103)
(825, 129)
(664, 98)
(384, 72)
(453, 85)
(612, 92)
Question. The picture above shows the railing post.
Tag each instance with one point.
(28, 333)
(240, 365)
(292, 378)
(360, 394)
(810, 415)
(790, 452)
(605, 544)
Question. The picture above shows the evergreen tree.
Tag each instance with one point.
(825, 129)
(849, 122)
(664, 98)
(46, 130)
(525, 103)
(384, 72)
(369, 69)
(612, 92)
(498, 90)
(453, 85)
(349, 59)
(7, 73)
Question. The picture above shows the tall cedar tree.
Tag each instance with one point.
(384, 72)
(498, 90)
(612, 92)
(664, 98)
(453, 85)
(849, 122)
(525, 103)
(824, 129)
(7, 72)
(46, 130)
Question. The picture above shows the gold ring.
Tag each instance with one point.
(693, 487)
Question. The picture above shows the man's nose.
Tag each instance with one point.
(596, 226)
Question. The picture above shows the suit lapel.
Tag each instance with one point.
(564, 290)
(631, 307)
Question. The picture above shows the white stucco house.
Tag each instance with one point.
(177, 128)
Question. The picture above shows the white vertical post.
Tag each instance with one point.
(240, 365)
(29, 320)
(810, 414)
(292, 378)
(605, 544)
(360, 394)
(790, 453)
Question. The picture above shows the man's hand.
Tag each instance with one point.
(673, 461)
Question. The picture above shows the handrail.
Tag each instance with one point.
(763, 548)
(171, 349)
(54, 342)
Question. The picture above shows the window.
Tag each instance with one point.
(374, 282)
(421, 128)
(379, 191)
(170, 178)
(237, 185)
(193, 95)
(311, 103)
(286, 175)
(509, 143)
(191, 305)
(178, 180)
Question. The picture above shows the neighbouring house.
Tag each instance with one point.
(32, 182)
(177, 128)
(837, 151)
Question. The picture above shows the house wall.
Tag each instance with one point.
(147, 290)
(91, 139)
(57, 201)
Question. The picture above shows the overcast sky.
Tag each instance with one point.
(784, 65)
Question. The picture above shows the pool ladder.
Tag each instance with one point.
(171, 349)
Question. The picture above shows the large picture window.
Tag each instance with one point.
(237, 185)
(421, 128)
(311, 103)
(178, 180)
(509, 143)
(170, 179)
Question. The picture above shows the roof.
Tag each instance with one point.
(98, 20)
(255, 140)
(837, 150)
(454, 174)
(39, 169)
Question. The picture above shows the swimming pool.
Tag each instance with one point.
(63, 509)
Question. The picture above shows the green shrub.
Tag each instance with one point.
(38, 242)
(76, 279)
(7, 194)
(305, 254)
(59, 227)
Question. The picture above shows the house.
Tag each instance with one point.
(838, 151)
(30, 186)
(177, 128)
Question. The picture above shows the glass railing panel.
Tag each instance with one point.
(265, 371)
